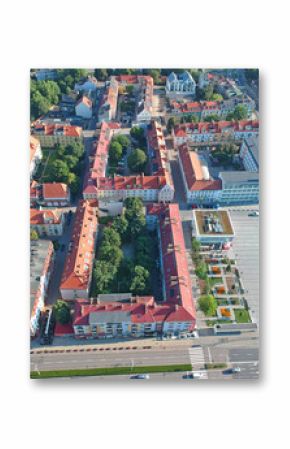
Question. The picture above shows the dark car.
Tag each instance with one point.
(232, 370)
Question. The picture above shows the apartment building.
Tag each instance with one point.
(205, 132)
(249, 154)
(35, 155)
(56, 194)
(239, 187)
(229, 188)
(203, 109)
(50, 134)
(41, 267)
(84, 107)
(121, 315)
(109, 103)
(156, 187)
(77, 273)
(47, 222)
(200, 187)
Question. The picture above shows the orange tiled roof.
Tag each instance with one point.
(52, 190)
(193, 171)
(42, 217)
(79, 261)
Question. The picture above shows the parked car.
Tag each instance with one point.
(254, 214)
(140, 376)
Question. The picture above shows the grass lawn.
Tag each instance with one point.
(215, 365)
(242, 316)
(213, 281)
(213, 322)
(111, 371)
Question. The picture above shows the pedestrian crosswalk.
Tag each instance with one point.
(196, 356)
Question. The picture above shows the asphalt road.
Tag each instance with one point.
(246, 251)
(60, 361)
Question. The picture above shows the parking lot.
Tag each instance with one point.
(246, 252)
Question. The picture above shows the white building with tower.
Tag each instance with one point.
(182, 84)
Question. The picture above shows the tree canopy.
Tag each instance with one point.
(139, 284)
(208, 305)
(62, 312)
(137, 160)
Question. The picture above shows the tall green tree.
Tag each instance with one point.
(137, 160)
(62, 312)
(139, 284)
(115, 152)
(208, 304)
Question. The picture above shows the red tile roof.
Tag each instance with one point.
(175, 268)
(216, 127)
(193, 172)
(79, 261)
(43, 217)
(139, 182)
(138, 312)
(52, 190)
(54, 129)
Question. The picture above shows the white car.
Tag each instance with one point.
(192, 375)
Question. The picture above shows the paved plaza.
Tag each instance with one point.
(246, 252)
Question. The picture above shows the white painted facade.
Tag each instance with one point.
(182, 84)
(48, 228)
(34, 162)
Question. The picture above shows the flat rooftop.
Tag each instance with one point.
(211, 222)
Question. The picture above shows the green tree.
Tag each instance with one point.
(120, 224)
(217, 97)
(201, 270)
(171, 124)
(62, 312)
(129, 89)
(101, 74)
(208, 305)
(195, 244)
(33, 235)
(208, 92)
(103, 274)
(137, 160)
(139, 284)
(75, 149)
(212, 118)
(156, 74)
(240, 112)
(133, 205)
(115, 152)
(60, 150)
(111, 254)
(111, 237)
(137, 133)
(74, 183)
(39, 105)
(122, 140)
(58, 171)
(71, 161)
